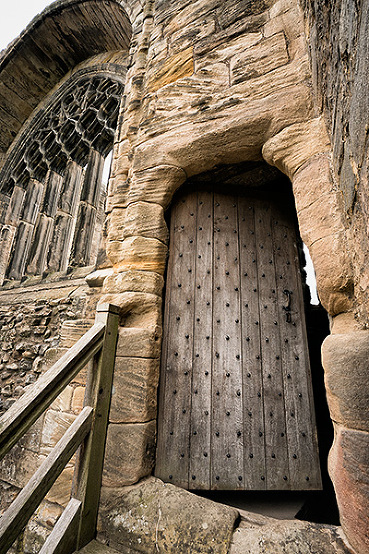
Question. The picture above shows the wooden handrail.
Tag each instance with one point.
(77, 525)
(24, 412)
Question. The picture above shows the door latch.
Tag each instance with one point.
(287, 305)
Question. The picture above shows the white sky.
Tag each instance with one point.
(15, 16)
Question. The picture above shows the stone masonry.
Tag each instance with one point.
(208, 83)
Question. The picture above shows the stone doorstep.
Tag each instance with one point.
(153, 515)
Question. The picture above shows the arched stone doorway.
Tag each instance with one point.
(236, 407)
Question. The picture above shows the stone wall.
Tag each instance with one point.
(38, 323)
(339, 50)
(214, 83)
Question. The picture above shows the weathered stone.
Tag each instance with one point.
(48, 514)
(345, 323)
(134, 281)
(267, 55)
(345, 361)
(312, 180)
(157, 183)
(173, 68)
(154, 516)
(129, 453)
(138, 253)
(333, 273)
(292, 147)
(61, 490)
(18, 466)
(73, 330)
(287, 537)
(34, 537)
(145, 219)
(348, 468)
(77, 400)
(139, 343)
(134, 394)
(55, 425)
(137, 309)
(97, 278)
(63, 401)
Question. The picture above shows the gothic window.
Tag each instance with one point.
(52, 194)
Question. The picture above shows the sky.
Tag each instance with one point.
(15, 16)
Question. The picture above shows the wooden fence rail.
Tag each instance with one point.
(77, 525)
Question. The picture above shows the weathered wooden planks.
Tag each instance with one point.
(21, 509)
(63, 538)
(236, 402)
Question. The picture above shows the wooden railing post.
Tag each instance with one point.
(89, 465)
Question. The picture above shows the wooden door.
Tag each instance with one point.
(235, 407)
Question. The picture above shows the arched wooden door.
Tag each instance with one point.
(235, 407)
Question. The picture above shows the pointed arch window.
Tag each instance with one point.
(52, 194)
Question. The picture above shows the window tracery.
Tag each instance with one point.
(51, 190)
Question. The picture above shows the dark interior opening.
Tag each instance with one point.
(314, 506)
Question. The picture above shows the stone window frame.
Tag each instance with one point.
(39, 234)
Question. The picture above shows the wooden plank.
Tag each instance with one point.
(63, 538)
(276, 446)
(200, 434)
(227, 417)
(22, 508)
(299, 406)
(253, 437)
(88, 469)
(174, 431)
(24, 412)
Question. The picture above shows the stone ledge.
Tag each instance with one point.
(153, 516)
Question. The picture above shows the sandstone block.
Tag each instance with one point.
(262, 58)
(312, 180)
(157, 183)
(134, 281)
(97, 278)
(173, 68)
(139, 343)
(77, 400)
(294, 145)
(62, 402)
(129, 454)
(61, 490)
(333, 272)
(72, 330)
(290, 22)
(55, 425)
(154, 516)
(137, 309)
(322, 218)
(349, 468)
(138, 253)
(346, 364)
(286, 537)
(18, 466)
(34, 537)
(134, 395)
(48, 514)
(144, 219)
